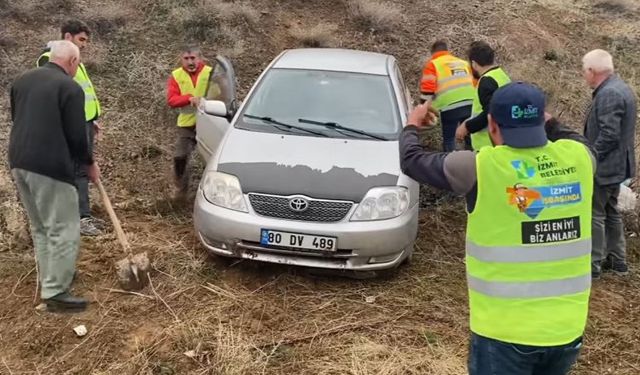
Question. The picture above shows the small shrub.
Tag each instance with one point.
(208, 20)
(321, 35)
(194, 24)
(617, 7)
(375, 15)
(7, 41)
(105, 20)
(231, 12)
(551, 55)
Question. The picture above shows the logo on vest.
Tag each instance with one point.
(527, 112)
(524, 170)
(532, 200)
(543, 165)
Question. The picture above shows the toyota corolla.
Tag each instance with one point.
(306, 171)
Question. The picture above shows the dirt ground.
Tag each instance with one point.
(215, 316)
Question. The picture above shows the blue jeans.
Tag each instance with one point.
(450, 120)
(493, 357)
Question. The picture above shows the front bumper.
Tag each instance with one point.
(362, 246)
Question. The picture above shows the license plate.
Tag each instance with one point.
(297, 240)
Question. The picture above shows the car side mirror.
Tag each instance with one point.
(215, 108)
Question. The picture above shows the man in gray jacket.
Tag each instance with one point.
(610, 127)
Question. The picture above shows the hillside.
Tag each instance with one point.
(210, 316)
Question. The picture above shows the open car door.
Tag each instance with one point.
(214, 118)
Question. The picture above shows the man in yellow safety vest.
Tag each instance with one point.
(447, 81)
(187, 85)
(490, 77)
(528, 238)
(78, 33)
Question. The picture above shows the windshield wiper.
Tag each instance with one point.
(277, 123)
(335, 125)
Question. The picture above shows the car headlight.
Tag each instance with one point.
(223, 190)
(382, 203)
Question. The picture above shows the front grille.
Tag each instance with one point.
(319, 210)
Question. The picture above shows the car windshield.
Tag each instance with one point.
(364, 102)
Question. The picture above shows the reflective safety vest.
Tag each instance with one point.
(92, 108)
(481, 138)
(187, 116)
(454, 83)
(528, 248)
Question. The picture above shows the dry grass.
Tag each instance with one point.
(320, 35)
(375, 15)
(217, 347)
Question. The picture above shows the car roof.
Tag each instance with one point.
(341, 60)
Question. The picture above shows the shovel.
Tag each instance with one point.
(132, 271)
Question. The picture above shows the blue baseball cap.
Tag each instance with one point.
(518, 108)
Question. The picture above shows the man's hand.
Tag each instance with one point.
(462, 131)
(423, 115)
(195, 101)
(93, 172)
(97, 131)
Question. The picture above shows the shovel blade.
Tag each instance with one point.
(133, 271)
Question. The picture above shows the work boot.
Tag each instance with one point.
(179, 169)
(596, 270)
(180, 178)
(87, 228)
(618, 267)
(98, 223)
(607, 264)
(65, 302)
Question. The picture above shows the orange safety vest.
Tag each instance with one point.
(454, 83)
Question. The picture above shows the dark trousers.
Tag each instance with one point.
(493, 357)
(607, 230)
(82, 179)
(185, 144)
(450, 120)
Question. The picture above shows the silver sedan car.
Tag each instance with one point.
(306, 171)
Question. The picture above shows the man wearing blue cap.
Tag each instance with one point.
(528, 238)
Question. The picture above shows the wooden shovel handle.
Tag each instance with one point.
(122, 238)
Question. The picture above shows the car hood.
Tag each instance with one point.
(322, 168)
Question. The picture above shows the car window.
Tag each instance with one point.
(406, 94)
(361, 101)
(220, 87)
(401, 86)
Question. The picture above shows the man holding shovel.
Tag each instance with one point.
(48, 138)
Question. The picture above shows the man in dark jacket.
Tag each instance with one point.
(47, 139)
(611, 128)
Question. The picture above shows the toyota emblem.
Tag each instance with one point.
(298, 204)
